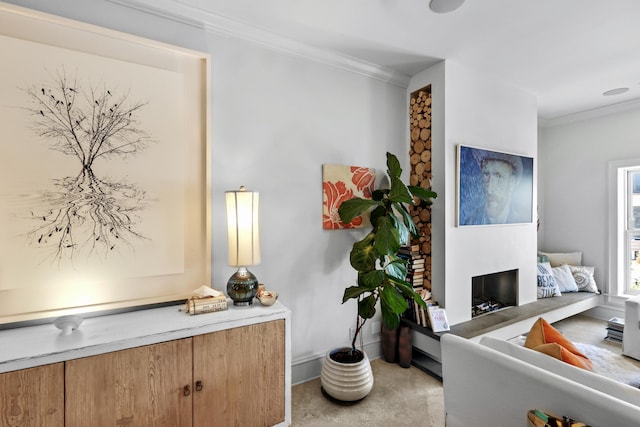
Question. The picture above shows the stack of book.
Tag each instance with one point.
(434, 317)
(415, 277)
(415, 265)
(205, 304)
(615, 329)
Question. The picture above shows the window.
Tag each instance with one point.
(632, 231)
(624, 228)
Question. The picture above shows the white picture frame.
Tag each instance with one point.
(153, 180)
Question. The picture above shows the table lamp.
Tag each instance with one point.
(244, 244)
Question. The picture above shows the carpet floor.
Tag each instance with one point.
(409, 397)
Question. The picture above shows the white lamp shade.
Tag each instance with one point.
(243, 227)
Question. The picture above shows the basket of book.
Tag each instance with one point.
(537, 418)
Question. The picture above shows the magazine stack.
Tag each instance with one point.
(615, 329)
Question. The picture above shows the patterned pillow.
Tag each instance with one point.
(565, 279)
(547, 285)
(584, 278)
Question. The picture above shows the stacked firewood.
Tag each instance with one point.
(420, 158)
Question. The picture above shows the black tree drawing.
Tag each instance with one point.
(83, 213)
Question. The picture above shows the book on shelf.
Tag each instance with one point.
(409, 254)
(438, 319)
(415, 312)
(412, 257)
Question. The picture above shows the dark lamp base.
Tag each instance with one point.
(242, 287)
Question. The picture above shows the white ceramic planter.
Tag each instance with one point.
(347, 382)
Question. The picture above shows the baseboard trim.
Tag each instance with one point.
(605, 312)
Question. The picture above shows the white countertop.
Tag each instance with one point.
(31, 346)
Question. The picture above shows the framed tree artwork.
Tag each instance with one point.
(104, 169)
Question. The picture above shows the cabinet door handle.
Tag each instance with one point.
(198, 385)
(186, 390)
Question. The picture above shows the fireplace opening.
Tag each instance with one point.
(494, 291)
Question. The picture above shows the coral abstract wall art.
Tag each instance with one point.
(340, 183)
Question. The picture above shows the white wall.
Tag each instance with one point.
(276, 118)
(483, 112)
(574, 188)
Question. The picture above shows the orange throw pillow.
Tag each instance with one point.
(542, 333)
(559, 352)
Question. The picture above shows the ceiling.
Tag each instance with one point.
(566, 52)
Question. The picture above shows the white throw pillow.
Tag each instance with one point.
(556, 259)
(547, 285)
(565, 279)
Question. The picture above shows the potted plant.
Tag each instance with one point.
(381, 272)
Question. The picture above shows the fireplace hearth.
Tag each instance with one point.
(493, 292)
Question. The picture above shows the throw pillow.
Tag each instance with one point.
(557, 351)
(543, 258)
(558, 258)
(584, 278)
(565, 279)
(542, 333)
(547, 285)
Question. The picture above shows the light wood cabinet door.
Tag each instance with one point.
(33, 397)
(242, 376)
(144, 386)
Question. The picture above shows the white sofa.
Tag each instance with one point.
(631, 335)
(494, 383)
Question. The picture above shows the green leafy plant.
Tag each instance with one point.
(381, 272)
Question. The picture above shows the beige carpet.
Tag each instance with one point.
(399, 397)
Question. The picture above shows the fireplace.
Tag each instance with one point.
(494, 291)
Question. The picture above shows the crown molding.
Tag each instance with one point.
(227, 27)
(593, 113)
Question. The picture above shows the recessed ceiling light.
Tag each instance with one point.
(445, 6)
(616, 91)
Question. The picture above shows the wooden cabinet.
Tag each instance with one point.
(144, 386)
(152, 367)
(242, 375)
(233, 377)
(33, 397)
